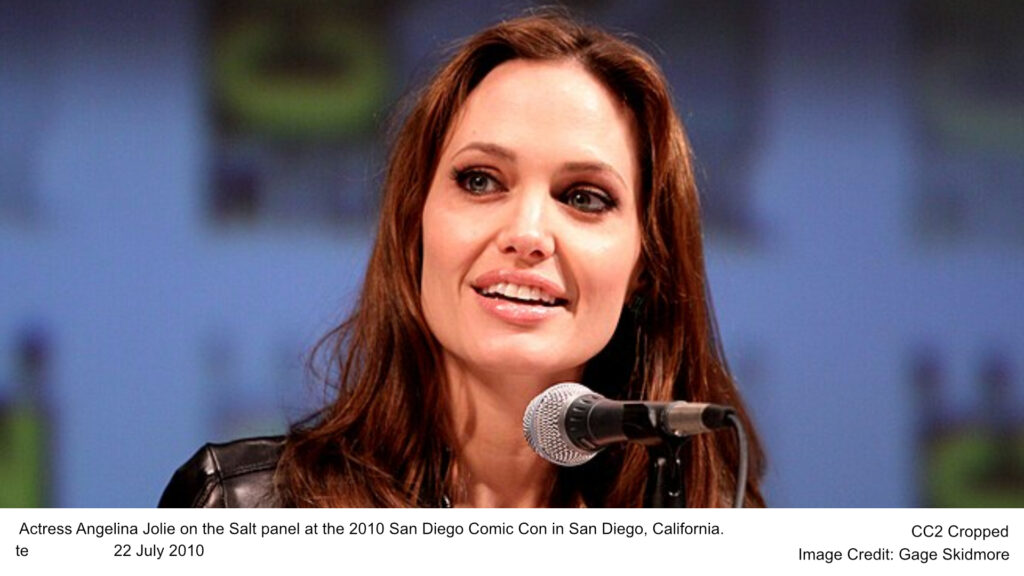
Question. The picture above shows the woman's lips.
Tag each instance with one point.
(521, 278)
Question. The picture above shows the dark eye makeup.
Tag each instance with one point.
(584, 198)
(476, 181)
(588, 200)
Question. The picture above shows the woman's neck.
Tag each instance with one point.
(495, 467)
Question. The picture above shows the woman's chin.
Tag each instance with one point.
(543, 369)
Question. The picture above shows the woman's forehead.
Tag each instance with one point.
(555, 106)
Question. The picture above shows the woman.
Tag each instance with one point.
(540, 224)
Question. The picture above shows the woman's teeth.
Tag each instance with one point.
(521, 293)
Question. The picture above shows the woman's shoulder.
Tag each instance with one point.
(237, 474)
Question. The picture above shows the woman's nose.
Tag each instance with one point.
(527, 234)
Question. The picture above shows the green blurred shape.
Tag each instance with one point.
(326, 84)
(972, 469)
(22, 458)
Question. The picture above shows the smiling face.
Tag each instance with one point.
(530, 230)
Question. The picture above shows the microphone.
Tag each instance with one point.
(568, 424)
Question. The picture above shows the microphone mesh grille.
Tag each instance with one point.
(544, 426)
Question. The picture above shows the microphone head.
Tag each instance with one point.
(544, 425)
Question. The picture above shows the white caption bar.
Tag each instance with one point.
(882, 541)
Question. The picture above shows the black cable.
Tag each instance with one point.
(741, 472)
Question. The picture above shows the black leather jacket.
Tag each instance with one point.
(237, 474)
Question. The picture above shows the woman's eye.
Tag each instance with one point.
(477, 182)
(589, 201)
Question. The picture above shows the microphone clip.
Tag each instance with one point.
(666, 481)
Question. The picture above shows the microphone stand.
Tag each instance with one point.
(665, 477)
(666, 486)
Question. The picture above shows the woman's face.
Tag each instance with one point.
(530, 230)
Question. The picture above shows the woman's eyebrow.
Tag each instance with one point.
(488, 148)
(594, 166)
(571, 167)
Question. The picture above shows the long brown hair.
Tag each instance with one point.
(386, 439)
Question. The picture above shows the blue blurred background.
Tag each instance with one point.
(187, 193)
